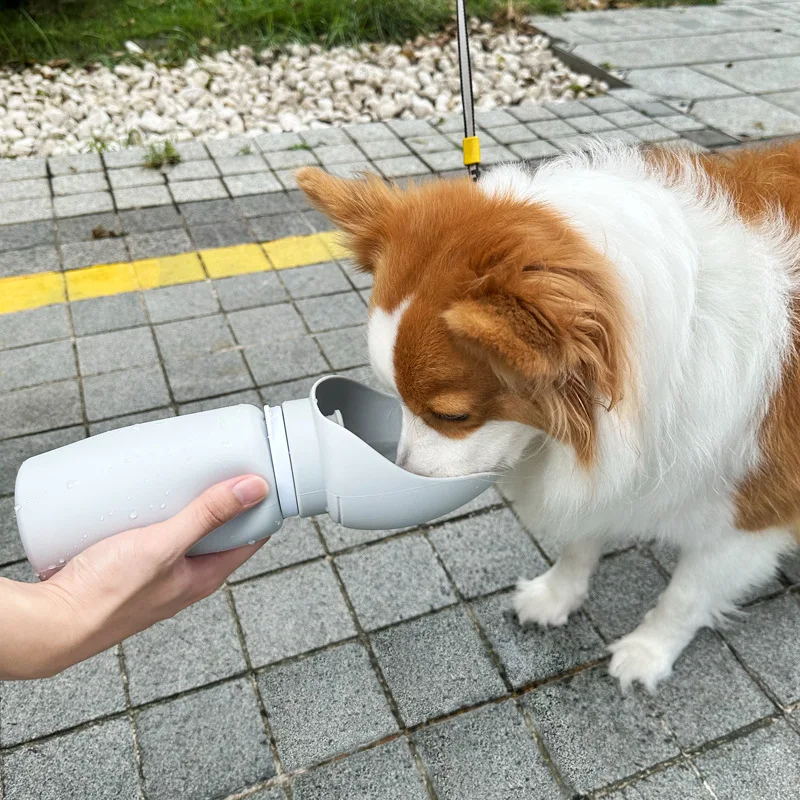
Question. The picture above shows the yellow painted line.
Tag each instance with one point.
(24, 292)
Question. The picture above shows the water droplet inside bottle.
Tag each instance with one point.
(17, 509)
(61, 561)
(133, 515)
(71, 484)
(151, 506)
(102, 518)
(252, 541)
(111, 513)
(163, 505)
(166, 494)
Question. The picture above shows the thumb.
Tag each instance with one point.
(213, 508)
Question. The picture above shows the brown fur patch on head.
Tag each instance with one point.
(511, 310)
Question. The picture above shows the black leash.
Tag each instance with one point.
(470, 145)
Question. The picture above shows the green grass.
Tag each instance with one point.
(88, 30)
(158, 155)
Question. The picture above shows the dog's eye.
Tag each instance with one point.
(451, 417)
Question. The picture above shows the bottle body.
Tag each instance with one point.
(70, 498)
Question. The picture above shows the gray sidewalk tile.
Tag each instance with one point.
(401, 166)
(149, 219)
(142, 197)
(277, 226)
(788, 100)
(369, 132)
(248, 396)
(191, 150)
(75, 205)
(593, 124)
(258, 205)
(552, 128)
(193, 191)
(26, 190)
(205, 212)
(444, 160)
(12, 211)
(230, 148)
(652, 133)
(386, 772)
(292, 612)
(14, 451)
(193, 337)
(124, 392)
(219, 373)
(616, 613)
(23, 262)
(270, 142)
(531, 653)
(258, 325)
(604, 104)
(680, 123)
(75, 164)
(410, 127)
(533, 112)
(130, 419)
(386, 148)
(132, 177)
(54, 405)
(318, 221)
(669, 784)
(241, 164)
(296, 541)
(100, 314)
(208, 744)
(394, 580)
(281, 392)
(159, 243)
(747, 117)
(318, 279)
(126, 157)
(487, 754)
(221, 234)
(180, 302)
(22, 572)
(26, 234)
(346, 347)
(766, 763)
(196, 647)
(91, 689)
(321, 137)
(512, 134)
(493, 119)
(707, 669)
(276, 362)
(337, 153)
(450, 124)
(290, 159)
(592, 749)
(680, 82)
(537, 149)
(35, 364)
(487, 552)
(490, 497)
(82, 228)
(246, 291)
(97, 762)
(352, 170)
(754, 638)
(79, 184)
(359, 278)
(332, 311)
(618, 136)
(336, 536)
(432, 143)
(436, 665)
(10, 545)
(106, 352)
(256, 183)
(325, 704)
(192, 171)
(88, 254)
(628, 119)
(22, 168)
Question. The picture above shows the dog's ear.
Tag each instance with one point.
(358, 207)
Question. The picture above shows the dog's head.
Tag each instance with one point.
(492, 319)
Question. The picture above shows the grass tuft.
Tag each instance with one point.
(159, 155)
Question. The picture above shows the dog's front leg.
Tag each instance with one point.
(552, 597)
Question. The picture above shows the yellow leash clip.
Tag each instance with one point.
(472, 150)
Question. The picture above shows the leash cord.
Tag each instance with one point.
(470, 144)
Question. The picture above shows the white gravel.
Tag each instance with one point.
(47, 111)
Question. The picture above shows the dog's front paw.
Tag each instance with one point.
(547, 600)
(641, 657)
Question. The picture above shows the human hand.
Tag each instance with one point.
(121, 585)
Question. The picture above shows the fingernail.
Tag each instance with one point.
(250, 490)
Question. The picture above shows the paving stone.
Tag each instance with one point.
(756, 76)
(196, 190)
(130, 419)
(593, 124)
(192, 171)
(218, 373)
(450, 124)
(483, 501)
(552, 128)
(386, 772)
(512, 134)
(21, 572)
(709, 138)
(207, 744)
(25, 190)
(248, 396)
(10, 545)
(318, 221)
(22, 168)
(257, 325)
(97, 762)
(127, 157)
(573, 143)
(87, 254)
(369, 132)
(35, 364)
(270, 142)
(196, 647)
(159, 243)
(150, 219)
(206, 212)
(627, 119)
(91, 689)
(53, 405)
(73, 164)
(487, 754)
(436, 665)
(680, 82)
(445, 160)
(246, 291)
(359, 278)
(653, 133)
(106, 352)
(24, 262)
(75, 205)
(324, 136)
(277, 226)
(346, 347)
(325, 704)
(747, 117)
(131, 177)
(14, 451)
(531, 653)
(432, 143)
(194, 337)
(142, 197)
(386, 148)
(275, 362)
(296, 541)
(533, 112)
(669, 784)
(788, 100)
(258, 205)
(680, 123)
(338, 153)
(100, 314)
(221, 234)
(589, 745)
(241, 164)
(82, 228)
(181, 302)
(336, 536)
(124, 392)
(318, 279)
(12, 211)
(332, 311)
(257, 183)
(537, 149)
(401, 166)
(26, 234)
(292, 612)
(604, 104)
(356, 169)
(616, 612)
(278, 393)
(394, 580)
(765, 763)
(754, 639)
(487, 552)
(290, 159)
(493, 119)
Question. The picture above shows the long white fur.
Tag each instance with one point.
(709, 301)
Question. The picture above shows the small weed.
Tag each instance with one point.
(245, 151)
(607, 66)
(301, 146)
(159, 155)
(98, 144)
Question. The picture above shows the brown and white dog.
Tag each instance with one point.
(617, 332)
